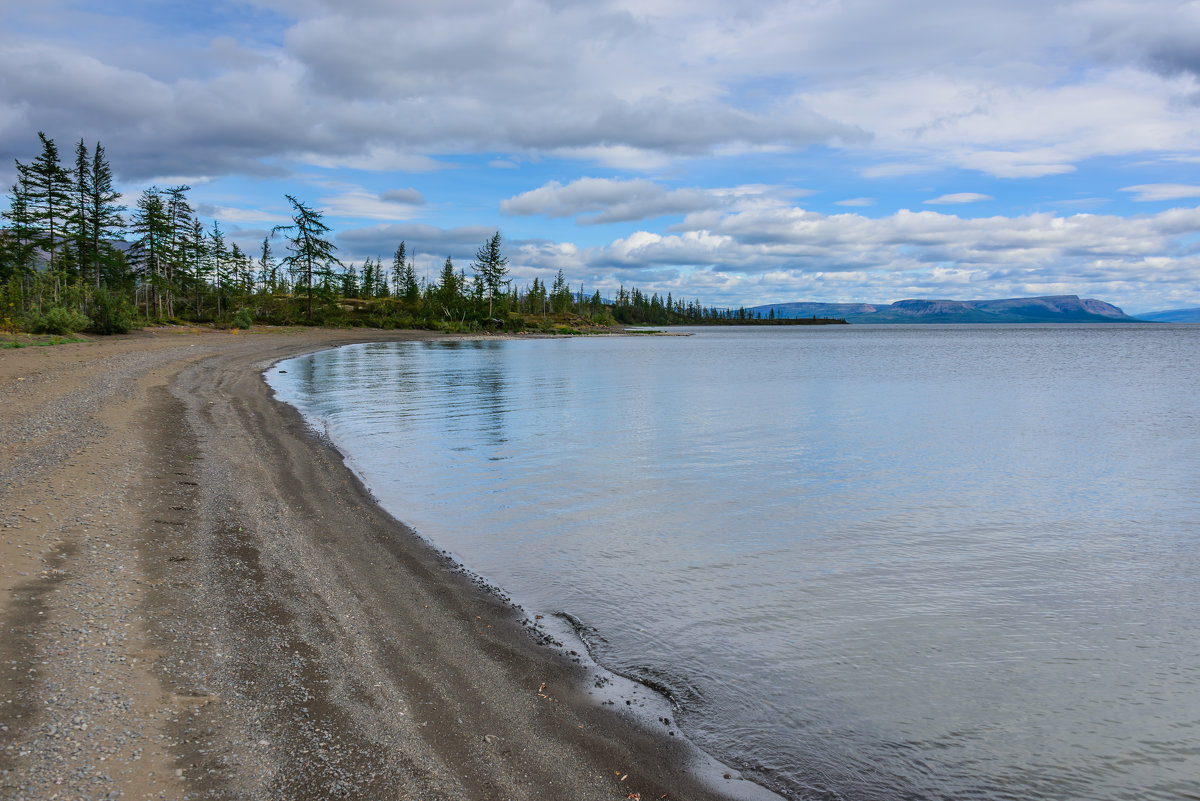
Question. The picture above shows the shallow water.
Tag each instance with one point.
(871, 562)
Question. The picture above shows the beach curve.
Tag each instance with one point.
(203, 586)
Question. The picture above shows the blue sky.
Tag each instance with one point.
(736, 153)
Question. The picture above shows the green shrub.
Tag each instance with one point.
(242, 319)
(110, 313)
(57, 320)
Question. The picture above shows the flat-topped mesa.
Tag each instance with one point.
(1046, 309)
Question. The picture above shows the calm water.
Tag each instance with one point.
(875, 563)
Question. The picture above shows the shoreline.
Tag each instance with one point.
(276, 632)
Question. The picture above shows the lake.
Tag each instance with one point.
(869, 562)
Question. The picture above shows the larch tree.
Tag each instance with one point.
(48, 199)
(310, 253)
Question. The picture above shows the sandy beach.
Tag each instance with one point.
(199, 600)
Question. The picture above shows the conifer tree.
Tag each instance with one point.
(197, 250)
(266, 267)
(239, 265)
(48, 201)
(411, 289)
(104, 220)
(366, 286)
(490, 268)
(175, 251)
(560, 294)
(150, 224)
(349, 281)
(79, 222)
(449, 292)
(311, 255)
(218, 259)
(22, 234)
(398, 261)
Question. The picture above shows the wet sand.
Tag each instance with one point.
(199, 600)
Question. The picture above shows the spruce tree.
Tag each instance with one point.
(449, 292)
(398, 261)
(79, 222)
(104, 220)
(366, 286)
(197, 250)
(218, 259)
(266, 267)
(560, 294)
(490, 268)
(150, 225)
(175, 251)
(20, 242)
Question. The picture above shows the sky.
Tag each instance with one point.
(735, 153)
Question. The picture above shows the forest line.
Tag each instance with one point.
(73, 258)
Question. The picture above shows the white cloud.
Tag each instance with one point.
(788, 253)
(1036, 87)
(956, 198)
(408, 196)
(894, 170)
(360, 204)
(1152, 192)
(603, 200)
(1024, 90)
(928, 252)
(241, 217)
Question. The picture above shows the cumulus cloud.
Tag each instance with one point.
(603, 200)
(793, 254)
(1088, 252)
(1036, 87)
(1025, 89)
(957, 198)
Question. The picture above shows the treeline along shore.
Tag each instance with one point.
(199, 600)
(73, 258)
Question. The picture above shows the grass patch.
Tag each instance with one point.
(40, 341)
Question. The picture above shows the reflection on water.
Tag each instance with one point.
(938, 563)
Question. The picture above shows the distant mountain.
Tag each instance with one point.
(1170, 316)
(1052, 309)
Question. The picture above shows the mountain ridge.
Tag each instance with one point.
(1038, 309)
(1191, 315)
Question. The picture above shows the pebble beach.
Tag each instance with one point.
(199, 600)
